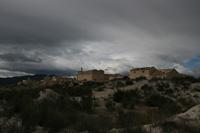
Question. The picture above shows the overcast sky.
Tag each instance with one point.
(61, 36)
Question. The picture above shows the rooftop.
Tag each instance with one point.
(94, 70)
(161, 71)
(143, 68)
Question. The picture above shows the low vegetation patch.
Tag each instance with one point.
(112, 106)
(127, 98)
(164, 104)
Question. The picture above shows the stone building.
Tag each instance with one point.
(152, 72)
(165, 73)
(59, 78)
(107, 76)
(115, 76)
(142, 72)
(92, 75)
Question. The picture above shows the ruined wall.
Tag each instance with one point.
(135, 73)
(106, 76)
(139, 73)
(98, 75)
(84, 76)
(93, 75)
(152, 69)
(172, 74)
(115, 76)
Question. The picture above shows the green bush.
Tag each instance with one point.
(100, 89)
(140, 79)
(183, 127)
(127, 98)
(137, 129)
(129, 82)
(186, 103)
(164, 104)
(196, 89)
(160, 89)
(120, 84)
(169, 126)
(129, 119)
(148, 90)
(86, 104)
(169, 91)
(110, 105)
(162, 86)
(94, 124)
(52, 115)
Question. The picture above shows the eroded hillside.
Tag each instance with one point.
(119, 105)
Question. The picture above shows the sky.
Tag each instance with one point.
(61, 36)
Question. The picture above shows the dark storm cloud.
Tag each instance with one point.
(170, 59)
(13, 57)
(196, 72)
(28, 22)
(22, 29)
(44, 36)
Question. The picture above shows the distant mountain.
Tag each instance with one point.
(15, 80)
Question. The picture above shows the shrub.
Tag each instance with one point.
(129, 94)
(169, 126)
(155, 79)
(196, 96)
(47, 113)
(127, 98)
(94, 124)
(184, 80)
(120, 84)
(137, 129)
(53, 115)
(196, 89)
(183, 127)
(110, 105)
(125, 78)
(129, 119)
(100, 89)
(86, 103)
(186, 103)
(147, 89)
(129, 82)
(140, 78)
(164, 104)
(161, 87)
(169, 91)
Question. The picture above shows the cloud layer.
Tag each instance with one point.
(59, 37)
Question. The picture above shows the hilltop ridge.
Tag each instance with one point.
(59, 104)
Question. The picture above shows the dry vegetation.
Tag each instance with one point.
(120, 105)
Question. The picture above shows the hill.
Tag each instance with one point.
(115, 106)
(15, 80)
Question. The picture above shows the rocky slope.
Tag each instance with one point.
(120, 105)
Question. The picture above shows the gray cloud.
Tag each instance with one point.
(170, 59)
(13, 57)
(59, 37)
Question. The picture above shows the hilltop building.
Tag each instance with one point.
(25, 82)
(92, 75)
(165, 73)
(152, 72)
(115, 76)
(59, 78)
(142, 72)
(96, 75)
(107, 76)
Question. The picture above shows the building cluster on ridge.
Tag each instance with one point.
(99, 75)
(147, 72)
